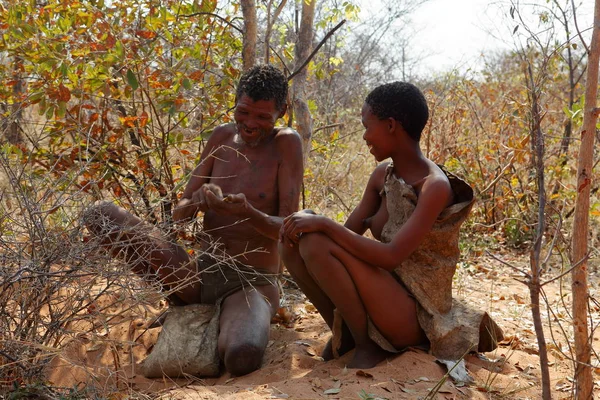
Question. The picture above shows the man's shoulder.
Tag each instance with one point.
(287, 136)
(223, 132)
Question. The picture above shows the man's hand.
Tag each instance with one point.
(233, 204)
(199, 196)
(187, 208)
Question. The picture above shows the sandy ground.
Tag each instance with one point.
(107, 361)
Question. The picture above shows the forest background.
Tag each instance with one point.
(114, 100)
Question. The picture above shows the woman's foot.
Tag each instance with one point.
(345, 347)
(368, 355)
(347, 344)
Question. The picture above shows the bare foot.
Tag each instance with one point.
(367, 356)
(347, 344)
(345, 347)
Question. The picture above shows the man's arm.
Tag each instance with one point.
(289, 182)
(187, 208)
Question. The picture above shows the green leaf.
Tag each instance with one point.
(132, 80)
(187, 84)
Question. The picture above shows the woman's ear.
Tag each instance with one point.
(392, 124)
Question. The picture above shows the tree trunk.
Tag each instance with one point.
(303, 50)
(583, 371)
(270, 22)
(11, 126)
(249, 39)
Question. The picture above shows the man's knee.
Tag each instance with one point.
(98, 215)
(243, 358)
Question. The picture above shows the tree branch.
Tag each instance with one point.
(321, 43)
(230, 23)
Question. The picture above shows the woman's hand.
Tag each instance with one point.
(296, 224)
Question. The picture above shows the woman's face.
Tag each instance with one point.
(378, 134)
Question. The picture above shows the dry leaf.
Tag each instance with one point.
(332, 391)
(310, 308)
(310, 351)
(360, 372)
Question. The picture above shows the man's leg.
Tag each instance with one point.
(146, 250)
(244, 327)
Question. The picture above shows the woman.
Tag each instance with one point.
(395, 291)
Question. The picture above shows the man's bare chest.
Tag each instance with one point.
(255, 175)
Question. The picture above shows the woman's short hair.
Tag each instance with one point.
(402, 101)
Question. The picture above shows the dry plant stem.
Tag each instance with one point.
(535, 257)
(583, 373)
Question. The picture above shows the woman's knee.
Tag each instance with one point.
(313, 246)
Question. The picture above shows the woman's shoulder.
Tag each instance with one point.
(381, 170)
(378, 176)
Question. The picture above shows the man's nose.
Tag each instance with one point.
(251, 123)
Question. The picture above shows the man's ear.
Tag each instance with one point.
(283, 111)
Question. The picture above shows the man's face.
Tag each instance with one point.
(255, 120)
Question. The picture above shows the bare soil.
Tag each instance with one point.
(293, 369)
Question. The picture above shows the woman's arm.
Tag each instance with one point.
(433, 198)
(370, 202)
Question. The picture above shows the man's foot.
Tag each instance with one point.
(368, 356)
(345, 347)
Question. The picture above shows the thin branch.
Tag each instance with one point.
(519, 270)
(500, 174)
(321, 43)
(587, 49)
(577, 264)
(230, 23)
(327, 127)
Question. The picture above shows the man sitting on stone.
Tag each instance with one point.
(248, 179)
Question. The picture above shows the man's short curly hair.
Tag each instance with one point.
(402, 101)
(263, 82)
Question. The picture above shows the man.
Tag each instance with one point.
(248, 179)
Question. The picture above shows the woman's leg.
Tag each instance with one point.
(359, 291)
(145, 250)
(295, 265)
